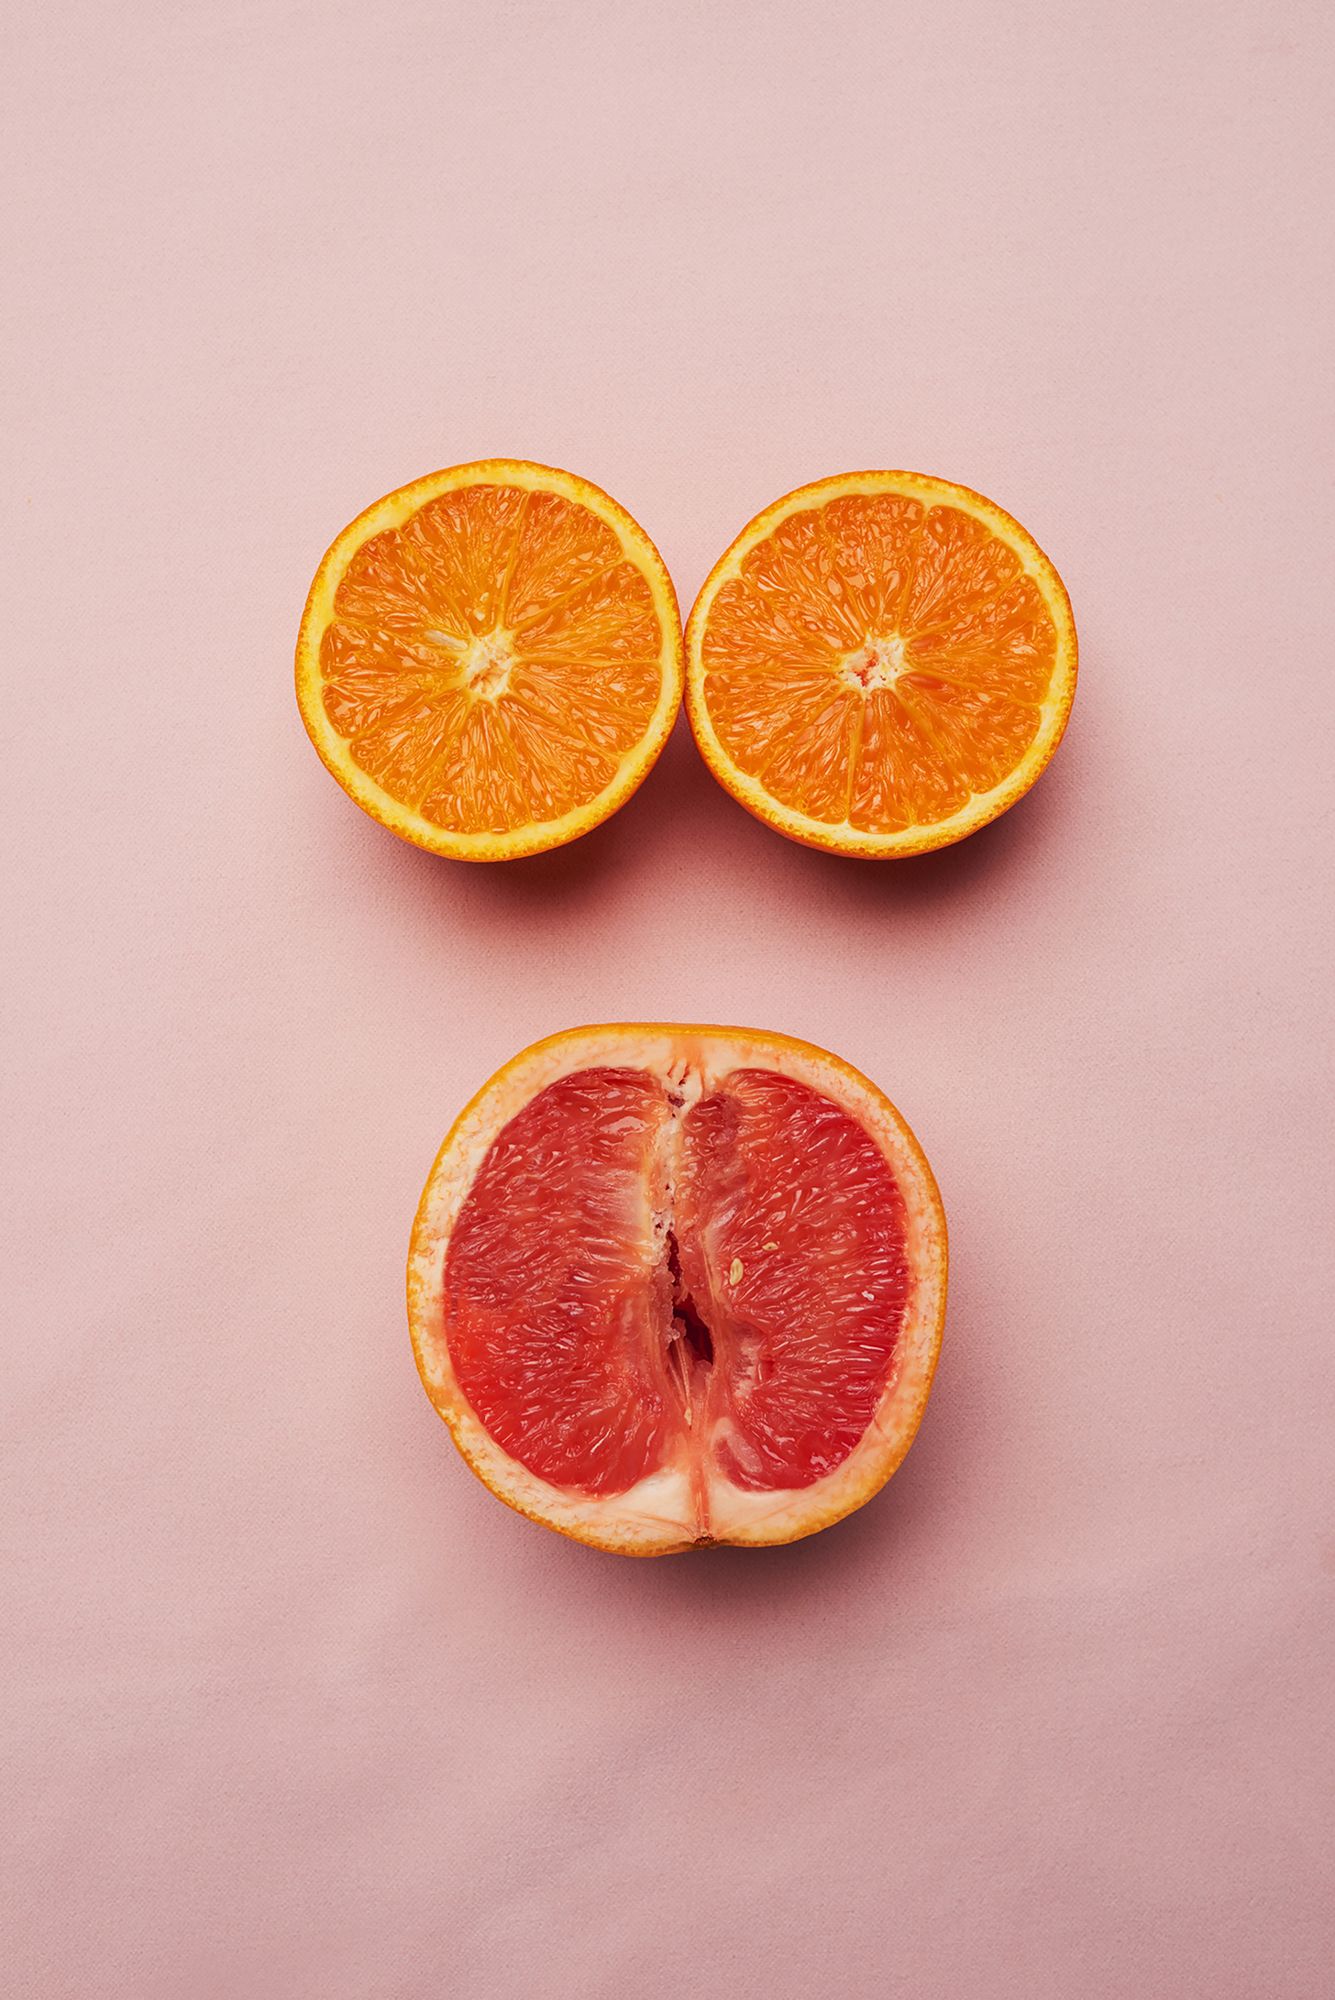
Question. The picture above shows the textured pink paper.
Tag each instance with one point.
(290, 1706)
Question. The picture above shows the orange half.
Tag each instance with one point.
(672, 1286)
(490, 659)
(880, 664)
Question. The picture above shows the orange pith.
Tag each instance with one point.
(672, 1286)
(881, 663)
(490, 659)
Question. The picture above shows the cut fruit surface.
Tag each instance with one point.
(671, 1286)
(490, 659)
(880, 664)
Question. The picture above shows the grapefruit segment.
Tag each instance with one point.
(880, 664)
(490, 659)
(671, 1286)
(552, 1293)
(793, 1227)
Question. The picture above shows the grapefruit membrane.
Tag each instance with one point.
(672, 1286)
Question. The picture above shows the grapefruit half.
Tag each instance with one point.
(675, 1286)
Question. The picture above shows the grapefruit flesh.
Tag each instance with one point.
(683, 1287)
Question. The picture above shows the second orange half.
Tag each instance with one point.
(881, 663)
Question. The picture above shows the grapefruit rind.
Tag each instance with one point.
(391, 512)
(657, 1516)
(844, 838)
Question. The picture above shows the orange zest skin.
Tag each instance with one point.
(490, 659)
(880, 664)
(644, 1522)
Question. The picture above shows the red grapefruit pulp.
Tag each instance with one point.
(673, 1286)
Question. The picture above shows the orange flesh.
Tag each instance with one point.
(633, 1283)
(491, 661)
(878, 661)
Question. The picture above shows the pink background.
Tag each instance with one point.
(290, 1706)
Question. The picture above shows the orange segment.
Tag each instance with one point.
(490, 659)
(880, 664)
